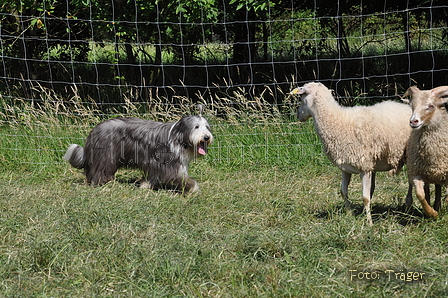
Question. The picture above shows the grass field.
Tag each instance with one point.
(268, 222)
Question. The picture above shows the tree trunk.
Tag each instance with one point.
(244, 49)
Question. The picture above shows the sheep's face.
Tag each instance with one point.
(427, 106)
(304, 113)
(307, 94)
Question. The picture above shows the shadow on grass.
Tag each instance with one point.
(125, 181)
(74, 180)
(403, 215)
(122, 179)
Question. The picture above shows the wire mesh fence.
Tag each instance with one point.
(65, 66)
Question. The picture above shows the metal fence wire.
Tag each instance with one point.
(240, 58)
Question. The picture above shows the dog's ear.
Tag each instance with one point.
(200, 108)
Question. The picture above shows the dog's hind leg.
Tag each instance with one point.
(100, 175)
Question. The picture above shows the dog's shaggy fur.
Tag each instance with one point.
(162, 150)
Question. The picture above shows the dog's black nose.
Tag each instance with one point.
(206, 137)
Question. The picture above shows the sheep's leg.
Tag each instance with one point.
(428, 193)
(344, 189)
(409, 196)
(420, 192)
(438, 202)
(366, 191)
(446, 195)
(372, 185)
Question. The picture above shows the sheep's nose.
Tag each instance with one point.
(414, 122)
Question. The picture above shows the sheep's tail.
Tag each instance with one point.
(75, 156)
(394, 172)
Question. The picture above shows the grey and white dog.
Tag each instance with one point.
(162, 150)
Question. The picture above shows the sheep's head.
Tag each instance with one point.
(427, 106)
(308, 93)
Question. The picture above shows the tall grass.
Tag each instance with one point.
(38, 132)
(268, 221)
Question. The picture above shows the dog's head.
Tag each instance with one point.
(195, 133)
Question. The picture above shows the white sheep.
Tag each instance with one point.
(358, 140)
(427, 160)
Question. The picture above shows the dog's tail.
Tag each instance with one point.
(75, 156)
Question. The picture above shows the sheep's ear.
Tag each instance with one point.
(440, 92)
(294, 91)
(307, 88)
(298, 91)
(444, 102)
(410, 92)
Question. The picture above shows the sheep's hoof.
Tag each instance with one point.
(348, 205)
(432, 214)
(407, 207)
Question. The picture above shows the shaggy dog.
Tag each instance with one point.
(162, 150)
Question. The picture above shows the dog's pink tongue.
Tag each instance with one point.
(201, 151)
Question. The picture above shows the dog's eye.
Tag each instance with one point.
(196, 127)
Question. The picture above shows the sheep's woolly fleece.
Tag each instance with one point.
(369, 138)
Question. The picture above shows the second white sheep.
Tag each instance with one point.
(428, 148)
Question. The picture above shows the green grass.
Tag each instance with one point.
(268, 222)
(252, 231)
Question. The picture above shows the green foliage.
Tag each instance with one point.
(204, 11)
(54, 39)
(256, 5)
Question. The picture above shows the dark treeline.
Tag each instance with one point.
(109, 48)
